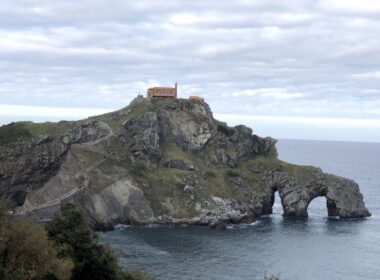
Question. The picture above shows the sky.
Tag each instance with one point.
(305, 69)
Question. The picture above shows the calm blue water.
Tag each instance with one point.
(316, 248)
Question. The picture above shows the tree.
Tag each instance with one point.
(27, 254)
(73, 238)
(68, 249)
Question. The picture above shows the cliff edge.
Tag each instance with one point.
(159, 161)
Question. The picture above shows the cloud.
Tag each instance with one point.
(367, 75)
(354, 6)
(302, 59)
(373, 123)
(270, 93)
(49, 112)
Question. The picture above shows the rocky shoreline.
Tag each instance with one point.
(161, 161)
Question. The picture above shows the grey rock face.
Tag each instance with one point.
(239, 144)
(26, 166)
(176, 163)
(189, 189)
(168, 162)
(343, 196)
(224, 214)
(238, 181)
(89, 131)
(145, 133)
(180, 164)
(120, 203)
(344, 199)
(193, 126)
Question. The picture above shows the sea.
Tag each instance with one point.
(315, 248)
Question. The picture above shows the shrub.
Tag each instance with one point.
(232, 173)
(210, 174)
(226, 130)
(68, 249)
(136, 275)
(13, 132)
(26, 252)
(139, 168)
(75, 239)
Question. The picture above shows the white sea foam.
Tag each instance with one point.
(122, 226)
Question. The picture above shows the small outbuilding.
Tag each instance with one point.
(196, 98)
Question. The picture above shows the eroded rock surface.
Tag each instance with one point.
(343, 197)
(26, 166)
(162, 161)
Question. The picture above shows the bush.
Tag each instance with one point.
(26, 252)
(139, 168)
(75, 239)
(226, 130)
(232, 173)
(136, 275)
(210, 174)
(67, 249)
(13, 132)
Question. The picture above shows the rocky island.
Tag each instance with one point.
(159, 161)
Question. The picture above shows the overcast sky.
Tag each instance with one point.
(289, 69)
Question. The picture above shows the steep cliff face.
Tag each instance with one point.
(26, 166)
(160, 161)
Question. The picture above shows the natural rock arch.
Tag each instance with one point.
(297, 190)
(318, 206)
(275, 197)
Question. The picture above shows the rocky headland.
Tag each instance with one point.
(159, 161)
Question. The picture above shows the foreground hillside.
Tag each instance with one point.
(159, 161)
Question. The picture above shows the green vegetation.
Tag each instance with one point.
(172, 151)
(66, 249)
(232, 173)
(228, 131)
(116, 119)
(139, 168)
(26, 252)
(21, 131)
(75, 240)
(137, 111)
(211, 179)
(209, 174)
(13, 132)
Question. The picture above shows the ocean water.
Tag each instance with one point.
(315, 248)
